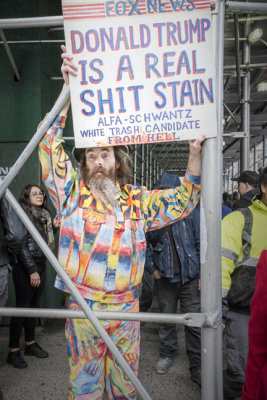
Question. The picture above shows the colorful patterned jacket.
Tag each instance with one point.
(103, 250)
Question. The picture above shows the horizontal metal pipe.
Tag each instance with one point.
(231, 39)
(189, 319)
(36, 22)
(56, 78)
(34, 41)
(246, 66)
(252, 18)
(57, 21)
(245, 6)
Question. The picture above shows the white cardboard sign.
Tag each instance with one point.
(145, 70)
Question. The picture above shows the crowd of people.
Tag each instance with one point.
(110, 233)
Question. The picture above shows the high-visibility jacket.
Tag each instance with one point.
(234, 254)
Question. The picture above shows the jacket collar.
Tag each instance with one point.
(257, 203)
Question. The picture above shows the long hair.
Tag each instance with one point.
(122, 174)
(31, 210)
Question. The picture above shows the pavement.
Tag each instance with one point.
(47, 379)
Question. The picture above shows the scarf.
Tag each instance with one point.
(43, 217)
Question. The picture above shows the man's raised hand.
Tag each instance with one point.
(68, 67)
(196, 144)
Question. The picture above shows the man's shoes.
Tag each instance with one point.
(196, 376)
(164, 364)
(35, 350)
(16, 359)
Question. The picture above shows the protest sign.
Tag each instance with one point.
(145, 70)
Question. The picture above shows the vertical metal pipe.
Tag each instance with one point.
(254, 157)
(264, 150)
(237, 55)
(211, 344)
(147, 165)
(143, 164)
(150, 168)
(158, 169)
(245, 111)
(232, 176)
(154, 171)
(135, 162)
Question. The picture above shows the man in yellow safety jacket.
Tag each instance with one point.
(244, 236)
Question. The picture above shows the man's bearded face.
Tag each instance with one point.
(101, 163)
(101, 173)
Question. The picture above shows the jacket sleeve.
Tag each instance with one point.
(232, 226)
(149, 263)
(196, 230)
(26, 258)
(162, 207)
(257, 332)
(15, 231)
(58, 174)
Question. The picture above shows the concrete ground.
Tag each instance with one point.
(47, 379)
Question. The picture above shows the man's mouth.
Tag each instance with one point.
(99, 171)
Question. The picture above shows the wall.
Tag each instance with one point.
(24, 103)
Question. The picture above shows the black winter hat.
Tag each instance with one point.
(250, 177)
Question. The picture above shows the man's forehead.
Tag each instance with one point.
(98, 150)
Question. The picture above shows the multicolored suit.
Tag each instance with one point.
(103, 251)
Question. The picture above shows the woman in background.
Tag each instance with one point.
(29, 274)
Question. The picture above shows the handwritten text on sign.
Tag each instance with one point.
(145, 71)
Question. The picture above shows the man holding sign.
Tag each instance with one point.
(102, 247)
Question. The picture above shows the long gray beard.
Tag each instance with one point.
(105, 188)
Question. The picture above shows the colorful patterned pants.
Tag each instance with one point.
(94, 373)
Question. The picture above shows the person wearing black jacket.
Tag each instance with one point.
(12, 233)
(29, 274)
(248, 188)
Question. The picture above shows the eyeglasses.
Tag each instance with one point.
(36, 194)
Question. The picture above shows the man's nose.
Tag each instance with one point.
(99, 160)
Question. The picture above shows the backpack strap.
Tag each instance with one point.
(246, 234)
